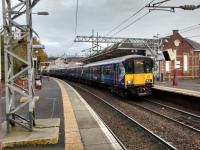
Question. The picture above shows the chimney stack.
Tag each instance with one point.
(175, 32)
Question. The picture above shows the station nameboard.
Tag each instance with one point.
(169, 54)
(44, 64)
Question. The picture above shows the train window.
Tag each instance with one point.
(129, 67)
(118, 71)
(148, 67)
(107, 70)
(90, 70)
(138, 66)
(96, 70)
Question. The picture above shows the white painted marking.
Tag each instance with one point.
(53, 105)
(109, 136)
(53, 108)
(52, 98)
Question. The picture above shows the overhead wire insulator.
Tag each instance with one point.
(188, 7)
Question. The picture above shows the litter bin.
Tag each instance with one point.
(38, 83)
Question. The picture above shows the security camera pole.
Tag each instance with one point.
(11, 12)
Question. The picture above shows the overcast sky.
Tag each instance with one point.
(56, 31)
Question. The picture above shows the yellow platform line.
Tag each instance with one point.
(72, 134)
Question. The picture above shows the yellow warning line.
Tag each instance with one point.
(72, 134)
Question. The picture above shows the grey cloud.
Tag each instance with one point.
(102, 16)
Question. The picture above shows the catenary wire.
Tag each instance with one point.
(137, 18)
(190, 29)
(130, 24)
(186, 29)
(193, 36)
(76, 24)
(127, 19)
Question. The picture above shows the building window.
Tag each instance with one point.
(185, 62)
(167, 66)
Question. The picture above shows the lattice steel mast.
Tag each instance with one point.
(102, 39)
(11, 12)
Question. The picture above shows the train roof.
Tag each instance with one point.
(114, 60)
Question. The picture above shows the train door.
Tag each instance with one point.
(116, 73)
(102, 74)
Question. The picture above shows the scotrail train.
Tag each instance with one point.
(127, 74)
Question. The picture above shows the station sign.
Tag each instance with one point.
(34, 58)
(138, 52)
(39, 46)
(169, 54)
(44, 64)
(134, 51)
(178, 64)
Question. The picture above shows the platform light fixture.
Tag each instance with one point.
(42, 13)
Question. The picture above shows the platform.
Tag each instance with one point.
(80, 126)
(45, 132)
(48, 107)
(185, 87)
(83, 128)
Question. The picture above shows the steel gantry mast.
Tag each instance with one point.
(137, 42)
(11, 12)
(102, 39)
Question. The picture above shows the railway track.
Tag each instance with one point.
(162, 144)
(187, 120)
(176, 134)
(160, 112)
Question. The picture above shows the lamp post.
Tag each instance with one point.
(42, 13)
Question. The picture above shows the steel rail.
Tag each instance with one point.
(150, 133)
(172, 108)
(118, 140)
(166, 117)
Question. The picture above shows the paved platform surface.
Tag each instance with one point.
(87, 129)
(80, 126)
(50, 105)
(1, 107)
(45, 132)
(187, 87)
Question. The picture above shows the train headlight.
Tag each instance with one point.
(129, 82)
(148, 80)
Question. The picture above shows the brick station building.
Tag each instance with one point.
(187, 58)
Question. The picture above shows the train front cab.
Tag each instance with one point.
(139, 76)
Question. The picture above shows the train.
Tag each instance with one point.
(122, 75)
